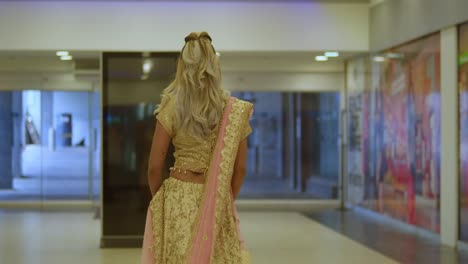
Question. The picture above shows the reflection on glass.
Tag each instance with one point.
(96, 147)
(394, 132)
(45, 151)
(463, 87)
(293, 150)
(66, 145)
(130, 95)
(14, 184)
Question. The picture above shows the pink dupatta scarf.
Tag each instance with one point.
(219, 176)
(203, 242)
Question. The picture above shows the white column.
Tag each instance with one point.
(344, 141)
(449, 144)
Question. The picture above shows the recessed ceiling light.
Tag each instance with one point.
(332, 54)
(394, 55)
(62, 53)
(66, 58)
(379, 59)
(147, 66)
(321, 58)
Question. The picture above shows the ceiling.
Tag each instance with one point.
(194, 1)
(47, 61)
(48, 54)
(281, 62)
(225, 54)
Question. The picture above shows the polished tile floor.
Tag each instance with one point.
(57, 237)
(398, 241)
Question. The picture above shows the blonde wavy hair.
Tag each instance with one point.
(197, 90)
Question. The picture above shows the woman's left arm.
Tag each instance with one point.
(159, 147)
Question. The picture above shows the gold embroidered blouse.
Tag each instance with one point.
(191, 153)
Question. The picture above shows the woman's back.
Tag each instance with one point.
(192, 153)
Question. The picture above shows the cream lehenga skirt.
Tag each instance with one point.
(174, 209)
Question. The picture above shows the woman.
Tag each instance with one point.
(192, 217)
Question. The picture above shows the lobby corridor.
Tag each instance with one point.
(57, 237)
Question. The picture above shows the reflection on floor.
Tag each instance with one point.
(464, 224)
(274, 186)
(59, 174)
(270, 188)
(397, 241)
(274, 238)
(427, 214)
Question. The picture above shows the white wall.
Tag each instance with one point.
(161, 26)
(284, 72)
(394, 22)
(281, 81)
(326, 78)
(44, 81)
(304, 62)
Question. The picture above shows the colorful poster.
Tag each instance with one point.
(463, 87)
(400, 136)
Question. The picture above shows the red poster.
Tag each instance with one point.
(401, 133)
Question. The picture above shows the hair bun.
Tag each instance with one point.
(192, 36)
(205, 35)
(195, 36)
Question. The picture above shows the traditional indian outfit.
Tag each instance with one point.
(196, 222)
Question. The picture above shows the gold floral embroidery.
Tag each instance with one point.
(172, 224)
(227, 242)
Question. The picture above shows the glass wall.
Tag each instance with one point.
(66, 145)
(394, 132)
(293, 149)
(46, 151)
(463, 87)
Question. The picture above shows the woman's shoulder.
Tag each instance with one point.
(166, 106)
(168, 100)
(242, 103)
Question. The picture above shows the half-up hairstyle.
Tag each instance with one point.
(197, 90)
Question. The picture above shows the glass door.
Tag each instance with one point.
(319, 140)
(46, 153)
(294, 148)
(66, 145)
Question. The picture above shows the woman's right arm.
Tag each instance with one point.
(240, 169)
(159, 148)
